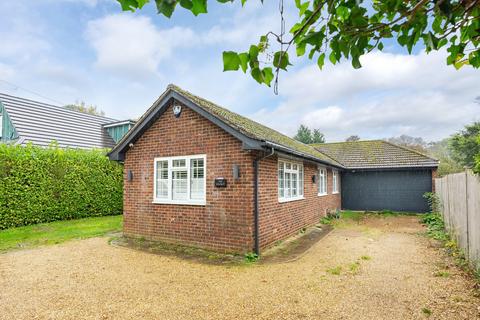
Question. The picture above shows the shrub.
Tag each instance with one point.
(46, 184)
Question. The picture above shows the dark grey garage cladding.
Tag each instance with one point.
(382, 176)
(393, 190)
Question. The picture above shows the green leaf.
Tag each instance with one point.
(437, 24)
(267, 75)
(131, 5)
(342, 12)
(199, 6)
(253, 52)
(244, 57)
(380, 46)
(280, 60)
(356, 62)
(187, 4)
(321, 60)
(332, 57)
(166, 7)
(231, 61)
(301, 46)
(257, 75)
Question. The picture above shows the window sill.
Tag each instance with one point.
(335, 192)
(180, 202)
(282, 200)
(322, 194)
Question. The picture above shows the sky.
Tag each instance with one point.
(65, 51)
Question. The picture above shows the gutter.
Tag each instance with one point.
(256, 219)
(302, 155)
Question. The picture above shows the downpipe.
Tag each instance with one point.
(256, 217)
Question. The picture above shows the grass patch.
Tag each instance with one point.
(58, 231)
(347, 217)
(354, 267)
(427, 312)
(436, 230)
(186, 252)
(442, 274)
(366, 258)
(335, 271)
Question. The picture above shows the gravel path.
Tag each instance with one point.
(90, 279)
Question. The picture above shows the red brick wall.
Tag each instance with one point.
(280, 220)
(434, 175)
(225, 223)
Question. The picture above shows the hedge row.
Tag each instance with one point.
(41, 185)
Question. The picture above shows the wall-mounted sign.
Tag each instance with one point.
(220, 182)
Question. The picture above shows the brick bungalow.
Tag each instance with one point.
(201, 175)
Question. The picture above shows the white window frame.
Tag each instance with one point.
(324, 181)
(1, 123)
(300, 180)
(169, 199)
(335, 184)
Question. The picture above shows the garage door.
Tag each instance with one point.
(386, 190)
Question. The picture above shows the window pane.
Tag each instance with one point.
(322, 188)
(179, 185)
(300, 181)
(162, 180)
(281, 190)
(288, 193)
(179, 163)
(294, 184)
(197, 179)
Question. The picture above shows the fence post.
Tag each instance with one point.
(466, 212)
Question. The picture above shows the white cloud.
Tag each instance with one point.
(133, 45)
(392, 94)
(6, 72)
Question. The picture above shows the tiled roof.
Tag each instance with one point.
(40, 123)
(375, 154)
(251, 128)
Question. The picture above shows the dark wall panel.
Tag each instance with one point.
(390, 190)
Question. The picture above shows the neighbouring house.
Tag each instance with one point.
(201, 175)
(24, 121)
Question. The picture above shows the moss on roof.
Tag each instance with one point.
(375, 154)
(253, 129)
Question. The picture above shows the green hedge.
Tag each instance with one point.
(42, 185)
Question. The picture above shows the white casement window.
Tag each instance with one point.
(334, 181)
(290, 181)
(180, 180)
(322, 181)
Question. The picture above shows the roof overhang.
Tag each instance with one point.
(162, 104)
(158, 108)
(118, 123)
(405, 168)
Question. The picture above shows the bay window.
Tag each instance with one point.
(322, 181)
(180, 180)
(290, 181)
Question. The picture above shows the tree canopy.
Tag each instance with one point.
(353, 138)
(465, 146)
(415, 143)
(306, 135)
(83, 107)
(328, 30)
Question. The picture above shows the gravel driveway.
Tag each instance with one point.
(378, 269)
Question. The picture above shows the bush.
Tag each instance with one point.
(46, 184)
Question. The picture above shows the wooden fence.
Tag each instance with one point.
(460, 203)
